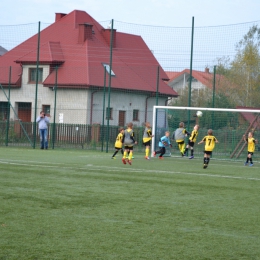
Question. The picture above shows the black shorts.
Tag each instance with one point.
(118, 148)
(190, 143)
(148, 143)
(181, 142)
(208, 152)
(250, 153)
(130, 148)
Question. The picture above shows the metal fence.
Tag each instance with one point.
(128, 82)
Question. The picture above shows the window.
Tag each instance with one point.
(109, 113)
(4, 111)
(32, 75)
(46, 109)
(108, 69)
(135, 115)
(192, 79)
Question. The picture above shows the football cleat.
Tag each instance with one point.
(251, 164)
(147, 157)
(205, 166)
(160, 157)
(191, 157)
(130, 162)
(123, 160)
(245, 163)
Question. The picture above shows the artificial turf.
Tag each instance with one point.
(75, 204)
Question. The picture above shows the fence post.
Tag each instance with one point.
(103, 118)
(54, 113)
(157, 85)
(213, 95)
(36, 86)
(109, 82)
(8, 108)
(191, 61)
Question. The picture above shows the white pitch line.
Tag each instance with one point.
(132, 169)
(184, 173)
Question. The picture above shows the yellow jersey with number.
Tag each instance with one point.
(210, 141)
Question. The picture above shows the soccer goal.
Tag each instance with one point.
(228, 125)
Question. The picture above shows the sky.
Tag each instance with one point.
(173, 13)
(165, 25)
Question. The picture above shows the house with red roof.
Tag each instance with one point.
(201, 80)
(74, 55)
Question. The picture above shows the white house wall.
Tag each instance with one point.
(72, 103)
(124, 102)
(73, 106)
(179, 86)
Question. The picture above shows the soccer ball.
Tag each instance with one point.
(199, 114)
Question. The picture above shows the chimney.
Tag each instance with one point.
(85, 32)
(58, 16)
(207, 70)
(106, 34)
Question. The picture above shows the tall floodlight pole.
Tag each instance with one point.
(191, 58)
(109, 81)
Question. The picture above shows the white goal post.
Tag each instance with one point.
(229, 124)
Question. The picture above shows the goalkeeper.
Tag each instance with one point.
(179, 136)
(164, 141)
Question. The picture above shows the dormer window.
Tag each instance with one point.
(192, 79)
(32, 75)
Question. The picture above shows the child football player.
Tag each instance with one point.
(251, 141)
(179, 136)
(129, 141)
(147, 137)
(118, 143)
(210, 141)
(192, 141)
(164, 141)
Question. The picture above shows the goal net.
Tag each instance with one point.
(228, 125)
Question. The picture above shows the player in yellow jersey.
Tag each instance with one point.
(251, 141)
(210, 141)
(129, 142)
(192, 141)
(147, 137)
(179, 136)
(118, 143)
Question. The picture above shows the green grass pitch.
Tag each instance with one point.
(76, 204)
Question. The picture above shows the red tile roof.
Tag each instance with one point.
(50, 52)
(171, 74)
(205, 77)
(80, 63)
